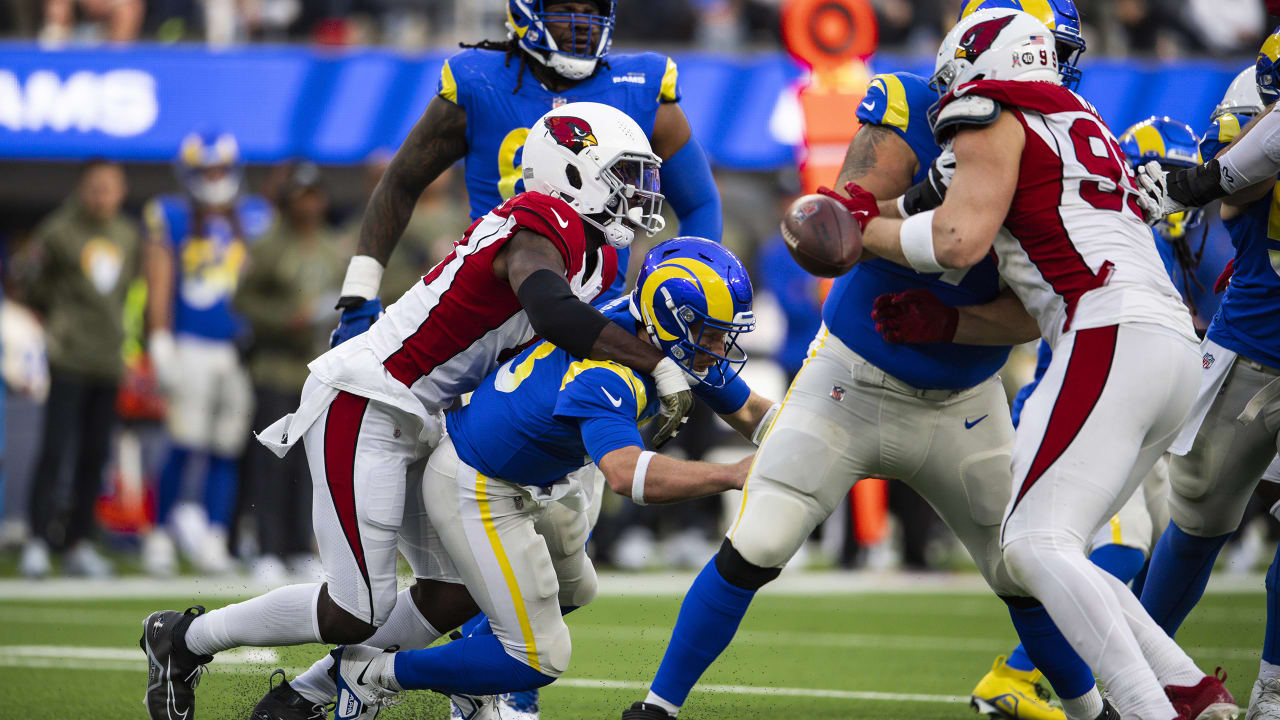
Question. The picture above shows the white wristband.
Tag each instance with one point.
(637, 478)
(763, 427)
(364, 276)
(916, 237)
(902, 207)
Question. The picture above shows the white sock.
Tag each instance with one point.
(284, 616)
(652, 699)
(405, 627)
(1267, 671)
(1085, 608)
(1171, 665)
(1086, 707)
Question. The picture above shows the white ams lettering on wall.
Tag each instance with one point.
(121, 103)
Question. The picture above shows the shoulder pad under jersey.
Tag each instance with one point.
(965, 110)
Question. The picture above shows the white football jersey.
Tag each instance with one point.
(449, 331)
(1075, 248)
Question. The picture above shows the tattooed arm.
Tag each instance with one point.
(879, 160)
(438, 140)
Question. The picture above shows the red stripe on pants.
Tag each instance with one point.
(1087, 371)
(341, 431)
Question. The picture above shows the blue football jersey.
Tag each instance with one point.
(483, 83)
(208, 261)
(1248, 320)
(900, 102)
(544, 413)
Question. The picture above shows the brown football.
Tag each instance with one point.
(822, 236)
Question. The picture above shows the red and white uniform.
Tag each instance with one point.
(1124, 373)
(370, 412)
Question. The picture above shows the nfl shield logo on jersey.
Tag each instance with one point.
(1207, 360)
(837, 392)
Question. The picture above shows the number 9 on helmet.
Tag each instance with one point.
(694, 298)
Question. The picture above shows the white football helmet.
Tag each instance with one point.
(996, 44)
(1242, 97)
(598, 160)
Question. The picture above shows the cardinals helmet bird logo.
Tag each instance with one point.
(571, 132)
(979, 37)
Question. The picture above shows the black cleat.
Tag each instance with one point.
(1109, 711)
(282, 702)
(173, 670)
(645, 711)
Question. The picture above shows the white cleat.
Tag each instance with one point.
(35, 560)
(357, 670)
(159, 557)
(474, 707)
(84, 560)
(1264, 701)
(213, 557)
(520, 705)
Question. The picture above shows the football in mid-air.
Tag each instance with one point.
(822, 236)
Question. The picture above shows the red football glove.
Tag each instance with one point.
(1224, 279)
(914, 316)
(861, 204)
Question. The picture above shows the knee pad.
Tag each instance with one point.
(580, 589)
(772, 526)
(554, 651)
(1026, 555)
(737, 571)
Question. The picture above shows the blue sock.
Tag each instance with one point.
(473, 665)
(1140, 580)
(709, 617)
(1044, 644)
(1019, 660)
(1121, 561)
(171, 483)
(1271, 641)
(220, 490)
(1180, 567)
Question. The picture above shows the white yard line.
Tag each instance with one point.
(612, 584)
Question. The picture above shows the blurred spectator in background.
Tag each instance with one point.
(122, 19)
(287, 295)
(84, 256)
(196, 247)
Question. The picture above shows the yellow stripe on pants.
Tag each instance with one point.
(486, 517)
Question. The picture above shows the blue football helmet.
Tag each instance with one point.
(1060, 16)
(686, 287)
(1268, 68)
(1174, 145)
(209, 168)
(528, 20)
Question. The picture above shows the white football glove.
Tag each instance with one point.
(164, 359)
(1153, 195)
(676, 398)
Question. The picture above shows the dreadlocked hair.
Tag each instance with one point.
(511, 48)
(1188, 261)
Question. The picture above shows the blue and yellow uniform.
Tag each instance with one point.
(481, 82)
(558, 413)
(209, 261)
(900, 102)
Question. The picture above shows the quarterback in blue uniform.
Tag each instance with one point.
(1231, 436)
(196, 251)
(489, 95)
(509, 514)
(858, 408)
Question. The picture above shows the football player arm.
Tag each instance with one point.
(959, 233)
(880, 161)
(1003, 321)
(647, 477)
(1252, 159)
(685, 175)
(536, 271)
(437, 141)
(752, 418)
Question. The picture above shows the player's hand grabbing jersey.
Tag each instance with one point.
(443, 336)
(545, 413)
(900, 102)
(1077, 251)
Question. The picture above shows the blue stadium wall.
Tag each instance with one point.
(338, 107)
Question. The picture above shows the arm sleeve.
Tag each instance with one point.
(689, 187)
(557, 315)
(1254, 158)
(724, 400)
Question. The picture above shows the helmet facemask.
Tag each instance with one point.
(634, 198)
(590, 37)
(696, 327)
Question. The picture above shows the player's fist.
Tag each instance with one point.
(861, 204)
(674, 397)
(1224, 279)
(357, 316)
(914, 316)
(1153, 193)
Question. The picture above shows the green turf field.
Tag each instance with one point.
(829, 656)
